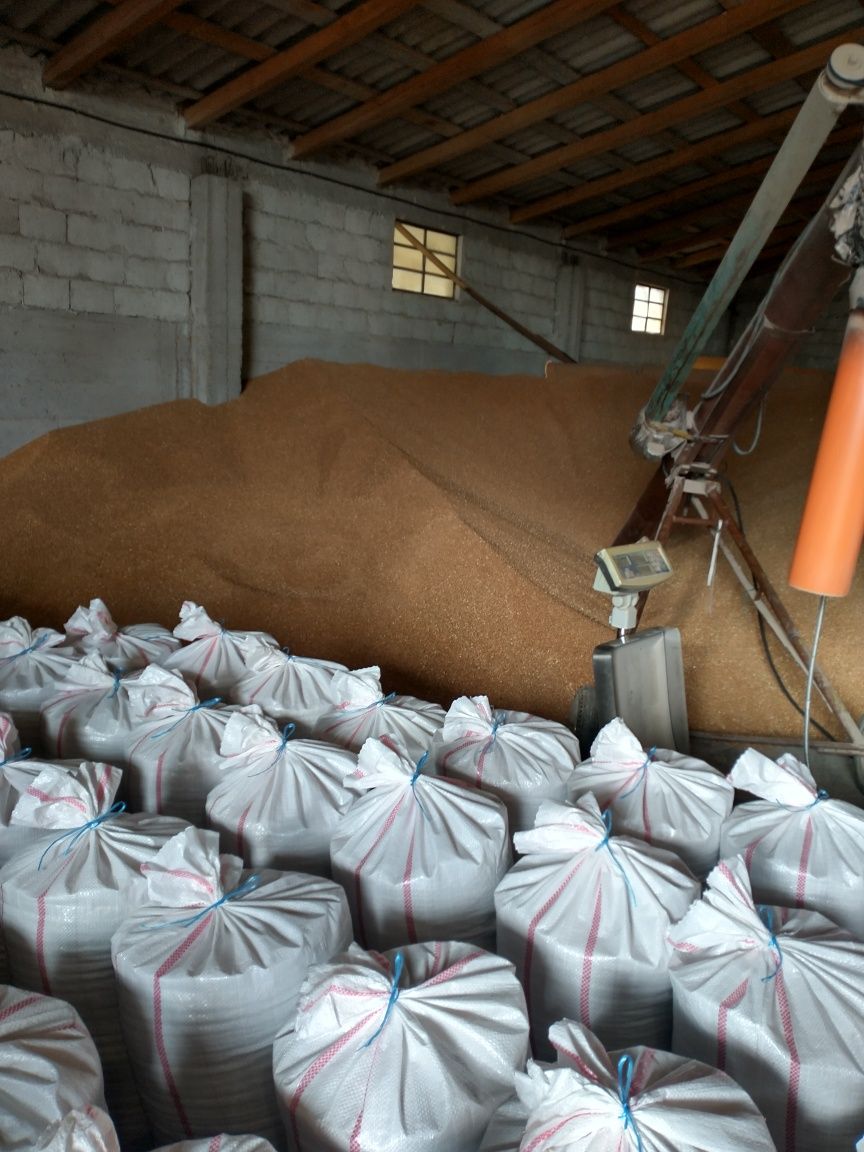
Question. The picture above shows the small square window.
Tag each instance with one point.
(413, 271)
(649, 309)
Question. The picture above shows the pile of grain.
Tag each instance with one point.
(439, 524)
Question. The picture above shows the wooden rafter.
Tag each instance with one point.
(103, 37)
(690, 107)
(593, 189)
(312, 49)
(595, 85)
(477, 58)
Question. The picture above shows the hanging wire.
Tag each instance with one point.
(817, 632)
(756, 433)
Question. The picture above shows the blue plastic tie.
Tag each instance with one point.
(625, 1082)
(417, 773)
(118, 676)
(394, 996)
(821, 795)
(237, 893)
(766, 915)
(77, 833)
(211, 703)
(641, 770)
(25, 651)
(605, 843)
(24, 754)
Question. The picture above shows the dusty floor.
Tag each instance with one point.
(439, 524)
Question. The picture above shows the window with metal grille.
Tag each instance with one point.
(649, 309)
(413, 271)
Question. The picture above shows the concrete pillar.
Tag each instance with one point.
(217, 288)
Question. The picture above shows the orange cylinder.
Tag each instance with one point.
(832, 527)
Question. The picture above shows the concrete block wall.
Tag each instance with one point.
(318, 283)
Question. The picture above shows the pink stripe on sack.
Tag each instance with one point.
(794, 1061)
(481, 759)
(46, 798)
(241, 827)
(19, 1007)
(358, 891)
(183, 874)
(102, 785)
(215, 1144)
(261, 687)
(543, 1137)
(801, 886)
(452, 971)
(750, 851)
(342, 990)
(588, 960)
(532, 931)
(205, 662)
(576, 1060)
(166, 966)
(41, 917)
(407, 896)
(642, 1071)
(726, 872)
(354, 1141)
(731, 1001)
(468, 743)
(318, 1065)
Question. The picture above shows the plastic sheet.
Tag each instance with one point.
(281, 798)
(92, 629)
(772, 996)
(61, 904)
(594, 1101)
(91, 716)
(32, 663)
(401, 1052)
(361, 710)
(174, 757)
(215, 658)
(207, 970)
(49, 1066)
(584, 916)
(290, 689)
(658, 795)
(523, 759)
(802, 849)
(419, 856)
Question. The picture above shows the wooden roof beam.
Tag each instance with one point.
(710, 146)
(590, 88)
(312, 49)
(485, 54)
(103, 37)
(700, 103)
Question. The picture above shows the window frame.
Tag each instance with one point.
(649, 303)
(425, 269)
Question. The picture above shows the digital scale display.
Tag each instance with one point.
(634, 567)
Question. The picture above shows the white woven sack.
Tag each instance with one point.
(658, 795)
(92, 1131)
(48, 1065)
(419, 856)
(290, 689)
(361, 710)
(206, 971)
(773, 996)
(802, 849)
(61, 904)
(281, 798)
(584, 916)
(214, 659)
(596, 1101)
(91, 717)
(92, 629)
(174, 757)
(401, 1052)
(32, 662)
(523, 759)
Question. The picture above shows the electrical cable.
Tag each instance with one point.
(336, 181)
(763, 630)
(817, 632)
(756, 433)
